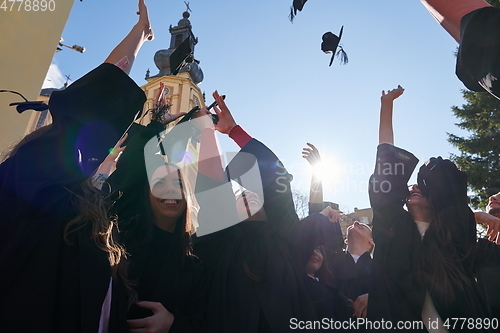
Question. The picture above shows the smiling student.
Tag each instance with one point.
(424, 259)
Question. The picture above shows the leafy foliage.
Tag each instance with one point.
(480, 152)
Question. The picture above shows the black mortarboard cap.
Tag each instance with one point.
(296, 6)
(331, 43)
(478, 57)
(182, 55)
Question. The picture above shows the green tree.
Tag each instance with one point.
(480, 152)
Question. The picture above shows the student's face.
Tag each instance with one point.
(359, 232)
(493, 204)
(166, 193)
(416, 198)
(315, 262)
(247, 204)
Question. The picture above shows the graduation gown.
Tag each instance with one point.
(327, 299)
(162, 276)
(398, 295)
(487, 271)
(351, 278)
(46, 284)
(159, 268)
(255, 285)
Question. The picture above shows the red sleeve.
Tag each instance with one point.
(238, 134)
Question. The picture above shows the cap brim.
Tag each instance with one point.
(30, 105)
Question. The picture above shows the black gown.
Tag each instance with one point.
(353, 279)
(257, 283)
(47, 285)
(329, 301)
(161, 276)
(398, 294)
(159, 268)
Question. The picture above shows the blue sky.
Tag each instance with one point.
(278, 83)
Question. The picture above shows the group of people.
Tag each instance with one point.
(93, 243)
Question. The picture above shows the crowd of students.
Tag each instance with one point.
(114, 247)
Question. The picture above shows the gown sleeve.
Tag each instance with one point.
(89, 117)
(392, 227)
(396, 238)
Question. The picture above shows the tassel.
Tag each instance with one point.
(291, 16)
(158, 113)
(342, 55)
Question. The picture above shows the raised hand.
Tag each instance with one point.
(108, 166)
(226, 120)
(159, 322)
(332, 214)
(144, 20)
(386, 132)
(392, 94)
(311, 154)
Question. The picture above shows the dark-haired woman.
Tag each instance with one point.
(425, 256)
(155, 212)
(59, 258)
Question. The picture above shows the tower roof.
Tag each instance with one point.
(179, 33)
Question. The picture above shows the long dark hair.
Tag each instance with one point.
(92, 211)
(12, 149)
(436, 262)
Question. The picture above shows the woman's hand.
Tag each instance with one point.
(159, 322)
(493, 224)
(360, 306)
(226, 120)
(144, 21)
(311, 154)
(108, 166)
(392, 94)
(332, 214)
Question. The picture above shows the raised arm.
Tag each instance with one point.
(386, 134)
(311, 154)
(123, 55)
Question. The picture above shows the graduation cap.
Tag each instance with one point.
(478, 57)
(331, 43)
(181, 56)
(296, 6)
(27, 105)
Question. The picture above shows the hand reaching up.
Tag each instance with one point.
(392, 94)
(332, 214)
(226, 120)
(311, 154)
(144, 21)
